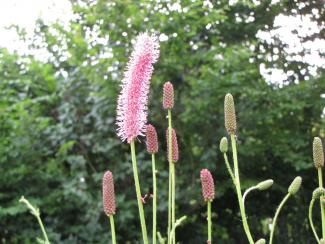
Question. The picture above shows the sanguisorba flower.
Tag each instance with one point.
(207, 185)
(175, 153)
(108, 193)
(133, 99)
(168, 95)
(152, 139)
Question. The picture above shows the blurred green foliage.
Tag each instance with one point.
(57, 121)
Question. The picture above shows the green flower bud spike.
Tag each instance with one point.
(317, 193)
(318, 153)
(264, 185)
(261, 241)
(230, 114)
(224, 145)
(293, 189)
(295, 185)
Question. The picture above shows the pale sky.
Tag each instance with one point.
(25, 12)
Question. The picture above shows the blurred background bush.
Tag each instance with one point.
(57, 117)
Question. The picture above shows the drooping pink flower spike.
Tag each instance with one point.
(175, 153)
(108, 193)
(133, 100)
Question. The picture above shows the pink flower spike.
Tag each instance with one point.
(108, 193)
(168, 95)
(132, 102)
(175, 154)
(207, 185)
(152, 141)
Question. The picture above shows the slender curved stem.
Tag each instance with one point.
(248, 191)
(209, 223)
(138, 192)
(36, 213)
(320, 181)
(173, 203)
(310, 216)
(276, 216)
(178, 222)
(154, 204)
(238, 190)
(229, 168)
(170, 183)
(111, 219)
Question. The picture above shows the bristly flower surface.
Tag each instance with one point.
(318, 152)
(168, 95)
(175, 153)
(207, 185)
(152, 139)
(230, 114)
(108, 193)
(132, 102)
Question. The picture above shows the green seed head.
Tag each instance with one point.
(264, 185)
(318, 192)
(224, 145)
(295, 185)
(230, 114)
(318, 153)
(261, 241)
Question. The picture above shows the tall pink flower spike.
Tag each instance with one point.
(207, 185)
(108, 193)
(132, 102)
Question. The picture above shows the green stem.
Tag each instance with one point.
(111, 219)
(42, 228)
(138, 192)
(154, 204)
(276, 216)
(248, 191)
(229, 168)
(320, 181)
(209, 223)
(173, 203)
(310, 216)
(238, 189)
(171, 211)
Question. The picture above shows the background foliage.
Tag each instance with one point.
(57, 120)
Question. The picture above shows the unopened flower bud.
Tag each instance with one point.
(224, 145)
(318, 153)
(152, 141)
(230, 114)
(318, 192)
(175, 154)
(108, 193)
(168, 95)
(264, 185)
(295, 185)
(207, 185)
(261, 241)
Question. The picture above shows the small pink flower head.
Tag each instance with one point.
(175, 155)
(152, 141)
(207, 185)
(168, 95)
(108, 193)
(132, 102)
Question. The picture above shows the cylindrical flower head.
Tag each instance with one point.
(264, 185)
(318, 153)
(295, 185)
(261, 241)
(108, 193)
(207, 185)
(175, 154)
(168, 95)
(230, 114)
(152, 141)
(224, 145)
(132, 102)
